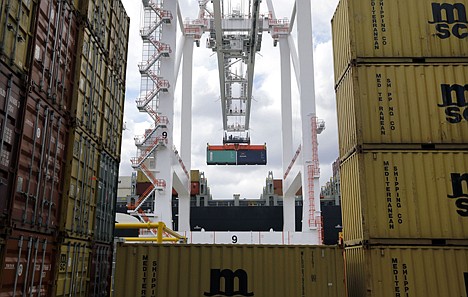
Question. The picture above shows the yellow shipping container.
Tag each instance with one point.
(90, 80)
(403, 104)
(118, 40)
(141, 177)
(194, 176)
(405, 196)
(403, 271)
(16, 27)
(112, 122)
(79, 201)
(72, 277)
(228, 270)
(97, 19)
(429, 29)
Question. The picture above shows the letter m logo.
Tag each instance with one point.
(448, 13)
(457, 185)
(229, 282)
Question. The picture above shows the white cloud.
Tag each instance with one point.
(266, 114)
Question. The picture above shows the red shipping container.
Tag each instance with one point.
(194, 188)
(54, 53)
(11, 110)
(39, 184)
(28, 264)
(100, 270)
(142, 187)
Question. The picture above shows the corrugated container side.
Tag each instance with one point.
(54, 54)
(216, 157)
(41, 167)
(198, 270)
(106, 199)
(112, 124)
(27, 264)
(72, 268)
(17, 22)
(100, 270)
(88, 95)
(118, 40)
(389, 271)
(11, 112)
(79, 200)
(385, 29)
(142, 187)
(251, 157)
(403, 104)
(96, 15)
(417, 196)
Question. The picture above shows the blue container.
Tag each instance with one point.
(251, 157)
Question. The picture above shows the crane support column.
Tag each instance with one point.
(310, 185)
(186, 129)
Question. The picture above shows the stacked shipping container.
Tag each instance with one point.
(61, 115)
(401, 74)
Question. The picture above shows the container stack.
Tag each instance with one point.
(61, 110)
(94, 145)
(401, 75)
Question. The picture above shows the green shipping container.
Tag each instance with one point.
(221, 157)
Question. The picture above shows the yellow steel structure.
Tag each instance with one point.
(160, 226)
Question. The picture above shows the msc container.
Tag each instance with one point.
(389, 271)
(27, 264)
(106, 199)
(228, 270)
(11, 112)
(17, 22)
(415, 30)
(100, 270)
(79, 199)
(195, 175)
(419, 104)
(118, 40)
(219, 157)
(416, 197)
(141, 177)
(96, 16)
(88, 95)
(72, 277)
(41, 167)
(251, 157)
(112, 121)
(54, 56)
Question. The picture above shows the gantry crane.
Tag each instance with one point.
(235, 35)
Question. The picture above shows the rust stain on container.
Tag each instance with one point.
(41, 167)
(28, 264)
(11, 111)
(403, 104)
(106, 199)
(54, 53)
(404, 195)
(100, 270)
(72, 264)
(398, 29)
(390, 271)
(228, 270)
(80, 189)
(16, 24)
(88, 96)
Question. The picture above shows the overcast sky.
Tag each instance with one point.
(248, 181)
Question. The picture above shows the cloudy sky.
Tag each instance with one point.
(248, 181)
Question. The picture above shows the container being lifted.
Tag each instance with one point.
(236, 154)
